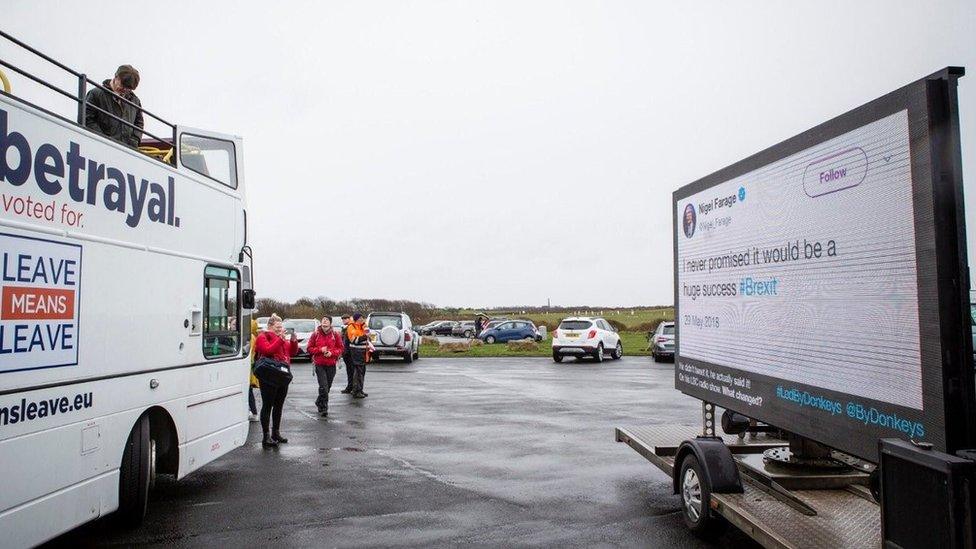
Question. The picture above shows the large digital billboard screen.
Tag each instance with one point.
(807, 278)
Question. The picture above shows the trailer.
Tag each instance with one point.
(822, 317)
(807, 515)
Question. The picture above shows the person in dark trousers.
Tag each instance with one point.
(325, 347)
(272, 343)
(251, 403)
(350, 370)
(98, 100)
(479, 324)
(356, 332)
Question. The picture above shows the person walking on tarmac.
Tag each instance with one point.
(350, 370)
(272, 344)
(251, 403)
(325, 347)
(356, 332)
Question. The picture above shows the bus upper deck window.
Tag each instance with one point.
(212, 157)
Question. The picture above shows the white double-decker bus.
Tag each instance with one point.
(124, 315)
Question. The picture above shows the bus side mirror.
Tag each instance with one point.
(247, 299)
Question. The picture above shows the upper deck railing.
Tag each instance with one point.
(79, 97)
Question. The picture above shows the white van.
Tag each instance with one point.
(123, 313)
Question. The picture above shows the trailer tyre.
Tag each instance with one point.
(695, 495)
(135, 475)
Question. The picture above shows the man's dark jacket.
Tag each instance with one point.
(108, 126)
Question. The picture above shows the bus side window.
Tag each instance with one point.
(221, 333)
(209, 156)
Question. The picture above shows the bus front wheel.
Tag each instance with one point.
(135, 474)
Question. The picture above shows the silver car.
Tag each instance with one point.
(392, 334)
(463, 329)
(662, 342)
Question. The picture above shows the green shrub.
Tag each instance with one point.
(617, 325)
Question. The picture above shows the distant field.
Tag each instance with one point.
(635, 344)
(631, 318)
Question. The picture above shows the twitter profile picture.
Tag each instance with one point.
(689, 220)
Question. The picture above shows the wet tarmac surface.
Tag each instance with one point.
(494, 452)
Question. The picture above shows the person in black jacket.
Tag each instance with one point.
(350, 367)
(126, 79)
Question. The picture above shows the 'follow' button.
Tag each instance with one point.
(835, 172)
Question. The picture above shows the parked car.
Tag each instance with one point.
(441, 327)
(492, 324)
(584, 336)
(463, 329)
(392, 334)
(662, 342)
(302, 328)
(262, 322)
(510, 330)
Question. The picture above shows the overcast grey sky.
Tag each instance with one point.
(493, 153)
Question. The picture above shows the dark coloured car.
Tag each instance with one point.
(445, 329)
(440, 327)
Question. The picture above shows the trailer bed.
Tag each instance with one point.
(845, 517)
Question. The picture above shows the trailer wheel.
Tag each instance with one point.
(695, 495)
(135, 474)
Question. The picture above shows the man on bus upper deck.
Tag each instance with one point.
(126, 79)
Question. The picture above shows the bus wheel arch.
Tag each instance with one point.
(166, 439)
(152, 447)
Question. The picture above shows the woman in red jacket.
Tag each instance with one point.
(325, 347)
(272, 343)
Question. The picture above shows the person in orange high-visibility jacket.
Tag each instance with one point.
(359, 346)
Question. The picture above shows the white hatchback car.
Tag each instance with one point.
(303, 329)
(584, 336)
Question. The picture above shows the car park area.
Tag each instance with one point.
(499, 452)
